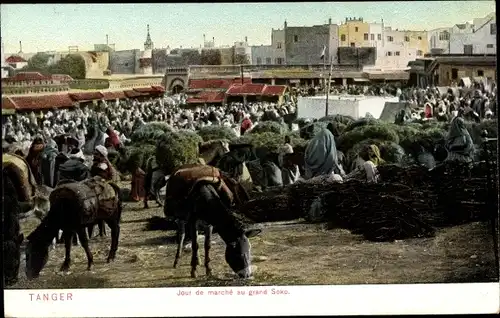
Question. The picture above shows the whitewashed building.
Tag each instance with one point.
(278, 43)
(273, 54)
(5, 72)
(263, 54)
(242, 48)
(482, 39)
(16, 62)
(395, 52)
(376, 40)
(439, 40)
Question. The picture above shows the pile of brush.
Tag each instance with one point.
(408, 202)
(379, 212)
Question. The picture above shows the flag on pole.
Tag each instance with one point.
(323, 53)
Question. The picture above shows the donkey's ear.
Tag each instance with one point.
(252, 232)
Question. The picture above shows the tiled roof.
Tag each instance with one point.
(62, 77)
(274, 90)
(43, 102)
(207, 97)
(246, 89)
(86, 96)
(7, 103)
(29, 76)
(15, 59)
(113, 95)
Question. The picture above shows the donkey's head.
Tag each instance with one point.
(238, 255)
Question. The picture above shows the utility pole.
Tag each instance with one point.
(328, 87)
(241, 73)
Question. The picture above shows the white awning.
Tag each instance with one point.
(361, 80)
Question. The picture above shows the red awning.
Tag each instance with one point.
(42, 102)
(159, 89)
(206, 97)
(85, 96)
(7, 103)
(133, 94)
(274, 90)
(246, 89)
(113, 95)
(145, 90)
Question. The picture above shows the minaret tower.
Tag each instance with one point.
(146, 60)
(148, 45)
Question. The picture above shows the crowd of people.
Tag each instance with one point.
(92, 131)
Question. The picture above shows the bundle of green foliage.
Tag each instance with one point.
(174, 149)
(139, 155)
(208, 133)
(269, 126)
(382, 132)
(190, 135)
(341, 119)
(272, 141)
(362, 122)
(150, 132)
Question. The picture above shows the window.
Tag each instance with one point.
(493, 28)
(444, 36)
(419, 38)
(353, 44)
(268, 60)
(388, 53)
(279, 60)
(419, 53)
(259, 61)
(480, 73)
(372, 37)
(468, 49)
(396, 53)
(278, 45)
(489, 46)
(355, 29)
(379, 37)
(342, 37)
(407, 38)
(295, 38)
(365, 36)
(390, 38)
(454, 73)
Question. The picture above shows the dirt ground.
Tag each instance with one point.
(298, 254)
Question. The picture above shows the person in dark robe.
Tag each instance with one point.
(74, 168)
(459, 142)
(48, 163)
(321, 157)
(477, 104)
(271, 171)
(33, 158)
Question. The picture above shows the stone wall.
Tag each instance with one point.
(124, 62)
(304, 45)
(365, 56)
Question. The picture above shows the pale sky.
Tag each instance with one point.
(44, 27)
